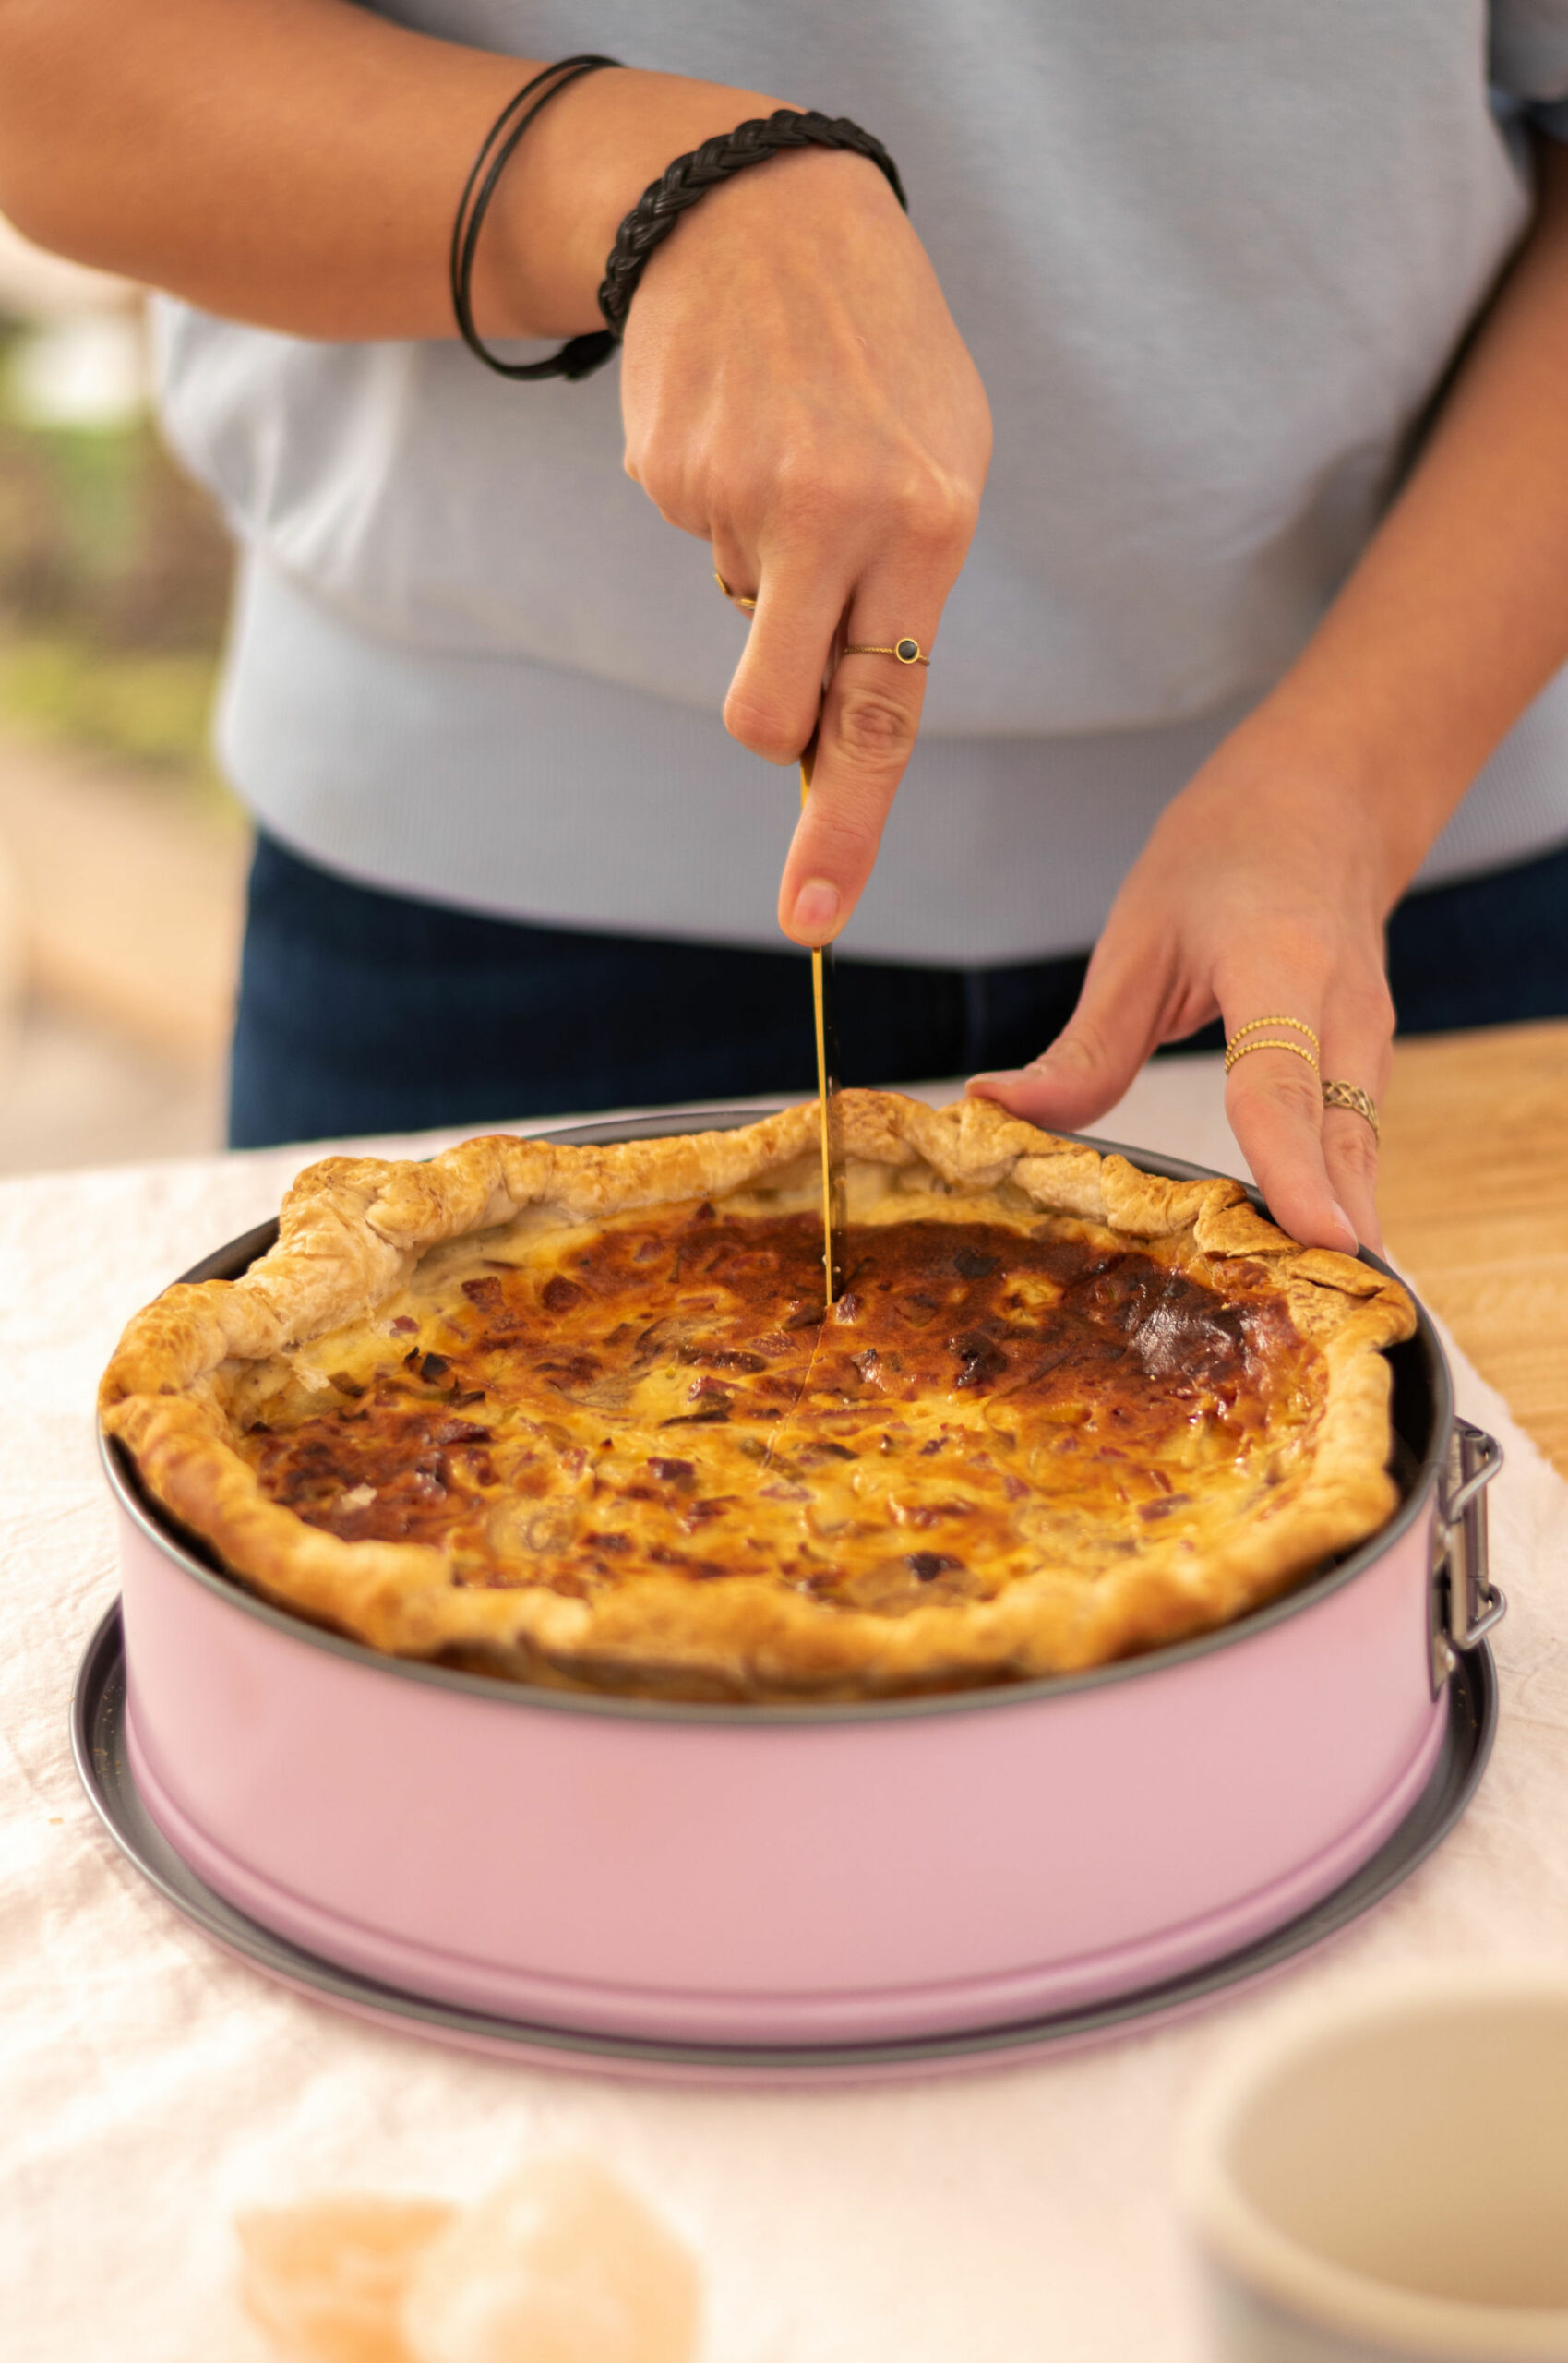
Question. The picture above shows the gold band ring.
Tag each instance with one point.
(736, 598)
(907, 650)
(1244, 1050)
(1295, 1024)
(1358, 1102)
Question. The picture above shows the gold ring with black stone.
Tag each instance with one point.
(907, 650)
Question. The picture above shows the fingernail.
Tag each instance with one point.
(816, 910)
(1348, 1227)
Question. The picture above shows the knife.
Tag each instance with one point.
(827, 1091)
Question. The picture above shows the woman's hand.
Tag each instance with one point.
(1262, 893)
(796, 393)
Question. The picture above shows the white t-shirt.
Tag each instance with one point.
(1212, 263)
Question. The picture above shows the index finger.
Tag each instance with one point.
(870, 719)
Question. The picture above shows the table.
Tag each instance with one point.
(149, 2087)
(1475, 1199)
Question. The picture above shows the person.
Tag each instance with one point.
(1256, 637)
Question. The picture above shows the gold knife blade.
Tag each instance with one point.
(833, 1200)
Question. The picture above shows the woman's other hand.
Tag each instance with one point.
(1260, 894)
(1263, 890)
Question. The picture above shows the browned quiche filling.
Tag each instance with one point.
(574, 1413)
(662, 1392)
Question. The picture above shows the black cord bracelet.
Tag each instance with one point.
(583, 354)
(651, 219)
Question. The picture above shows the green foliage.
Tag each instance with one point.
(150, 706)
(113, 587)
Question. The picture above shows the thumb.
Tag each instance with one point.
(1095, 1057)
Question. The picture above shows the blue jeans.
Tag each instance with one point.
(363, 1012)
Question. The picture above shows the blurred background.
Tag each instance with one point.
(122, 856)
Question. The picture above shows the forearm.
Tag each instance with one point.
(298, 163)
(1457, 612)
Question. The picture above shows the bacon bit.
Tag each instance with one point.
(847, 1306)
(811, 1316)
(459, 1431)
(560, 1294)
(981, 1358)
(926, 1566)
(345, 1385)
(1014, 1488)
(709, 1389)
(935, 1445)
(700, 1512)
(671, 1472)
(704, 1213)
(487, 1294)
(403, 1327)
(710, 1417)
(1150, 1511)
(924, 1514)
(609, 1541)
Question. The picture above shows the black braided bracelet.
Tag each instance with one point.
(651, 219)
(583, 354)
(661, 204)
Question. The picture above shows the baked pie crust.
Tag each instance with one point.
(573, 1414)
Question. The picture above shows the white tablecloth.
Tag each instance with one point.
(152, 2086)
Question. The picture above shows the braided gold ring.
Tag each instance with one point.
(1358, 1102)
(907, 650)
(736, 598)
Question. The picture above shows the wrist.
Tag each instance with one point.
(1327, 824)
(581, 170)
(1343, 768)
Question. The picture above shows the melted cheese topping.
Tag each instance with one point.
(577, 1406)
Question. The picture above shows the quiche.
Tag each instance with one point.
(577, 1415)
